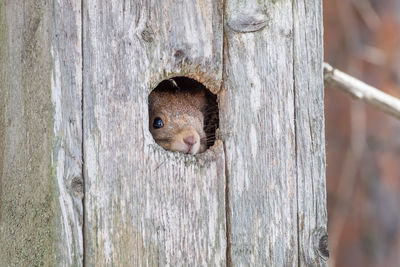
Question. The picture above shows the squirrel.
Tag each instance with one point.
(183, 115)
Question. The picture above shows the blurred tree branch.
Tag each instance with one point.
(362, 91)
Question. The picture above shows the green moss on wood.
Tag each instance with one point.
(3, 55)
(27, 228)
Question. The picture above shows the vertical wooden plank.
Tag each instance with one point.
(27, 212)
(40, 144)
(260, 106)
(258, 125)
(310, 139)
(66, 96)
(144, 205)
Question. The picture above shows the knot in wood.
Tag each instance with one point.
(147, 35)
(321, 243)
(247, 21)
(77, 186)
(179, 54)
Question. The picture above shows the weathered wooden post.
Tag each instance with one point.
(82, 180)
(41, 214)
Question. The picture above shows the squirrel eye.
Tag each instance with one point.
(158, 123)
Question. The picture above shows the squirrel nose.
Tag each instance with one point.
(190, 140)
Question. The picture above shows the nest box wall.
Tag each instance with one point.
(115, 197)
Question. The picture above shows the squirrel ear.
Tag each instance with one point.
(201, 93)
(173, 83)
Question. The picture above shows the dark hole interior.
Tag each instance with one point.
(187, 88)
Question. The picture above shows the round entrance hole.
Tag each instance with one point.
(183, 115)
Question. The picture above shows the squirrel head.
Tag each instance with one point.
(177, 118)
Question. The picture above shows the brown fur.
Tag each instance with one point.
(182, 112)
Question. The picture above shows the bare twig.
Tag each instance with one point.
(362, 91)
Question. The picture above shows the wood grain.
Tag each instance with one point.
(272, 127)
(40, 90)
(74, 125)
(310, 138)
(66, 96)
(144, 205)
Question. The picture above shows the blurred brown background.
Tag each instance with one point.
(362, 38)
